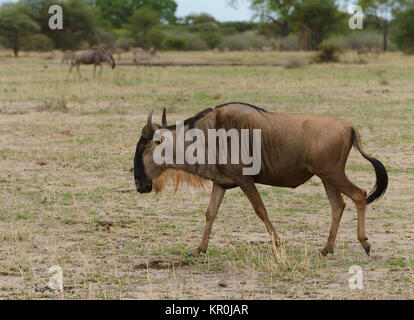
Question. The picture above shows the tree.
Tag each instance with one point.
(315, 20)
(119, 11)
(383, 11)
(80, 22)
(404, 30)
(15, 24)
(273, 15)
(140, 25)
(199, 18)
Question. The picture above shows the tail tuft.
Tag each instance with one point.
(380, 171)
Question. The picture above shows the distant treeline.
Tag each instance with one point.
(283, 25)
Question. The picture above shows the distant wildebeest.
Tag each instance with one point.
(117, 51)
(267, 49)
(369, 50)
(364, 50)
(92, 56)
(143, 56)
(67, 57)
(294, 148)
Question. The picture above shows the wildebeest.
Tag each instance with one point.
(118, 51)
(67, 57)
(143, 56)
(294, 148)
(92, 56)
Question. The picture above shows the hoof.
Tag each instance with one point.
(325, 252)
(190, 255)
(368, 250)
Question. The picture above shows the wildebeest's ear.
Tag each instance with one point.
(164, 118)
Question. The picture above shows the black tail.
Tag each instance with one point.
(380, 171)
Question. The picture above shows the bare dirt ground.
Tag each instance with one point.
(67, 194)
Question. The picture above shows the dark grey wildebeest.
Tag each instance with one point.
(294, 148)
(93, 56)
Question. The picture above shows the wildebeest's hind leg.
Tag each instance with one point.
(338, 206)
(359, 196)
(250, 190)
(77, 68)
(215, 200)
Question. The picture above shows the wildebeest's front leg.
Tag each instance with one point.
(215, 200)
(250, 190)
(70, 70)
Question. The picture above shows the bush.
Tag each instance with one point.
(176, 44)
(404, 30)
(37, 42)
(156, 38)
(246, 40)
(195, 43)
(362, 39)
(257, 41)
(236, 43)
(292, 63)
(290, 43)
(104, 38)
(124, 43)
(205, 27)
(213, 39)
(328, 52)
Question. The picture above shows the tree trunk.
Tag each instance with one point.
(303, 38)
(16, 45)
(385, 34)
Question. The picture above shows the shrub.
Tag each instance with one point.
(292, 63)
(404, 30)
(124, 43)
(156, 38)
(55, 105)
(195, 43)
(246, 40)
(328, 52)
(205, 27)
(290, 43)
(105, 38)
(213, 39)
(37, 42)
(258, 42)
(176, 44)
(236, 43)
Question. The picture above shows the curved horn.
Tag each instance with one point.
(164, 118)
(149, 119)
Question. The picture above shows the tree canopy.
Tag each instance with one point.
(15, 24)
(119, 11)
(404, 30)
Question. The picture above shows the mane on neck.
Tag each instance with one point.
(178, 177)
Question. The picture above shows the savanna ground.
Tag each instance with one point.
(67, 192)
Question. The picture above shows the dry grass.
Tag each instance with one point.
(66, 186)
